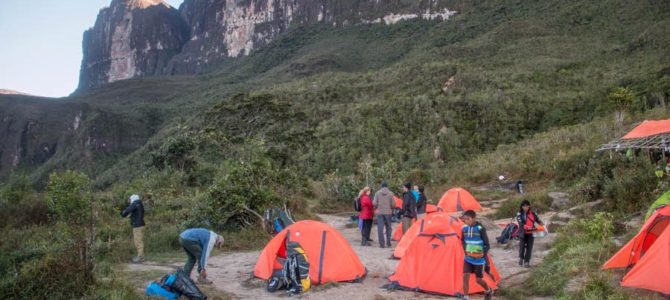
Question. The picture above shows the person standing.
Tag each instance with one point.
(421, 204)
(384, 203)
(198, 244)
(476, 245)
(136, 211)
(366, 214)
(408, 207)
(527, 219)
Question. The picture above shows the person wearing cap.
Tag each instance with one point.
(198, 244)
(136, 212)
(408, 207)
(384, 203)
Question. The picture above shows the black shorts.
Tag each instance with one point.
(469, 268)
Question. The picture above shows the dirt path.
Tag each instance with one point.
(232, 272)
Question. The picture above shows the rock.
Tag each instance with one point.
(559, 199)
(587, 207)
(139, 38)
(555, 225)
(131, 38)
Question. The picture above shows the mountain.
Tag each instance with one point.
(419, 94)
(133, 38)
(10, 92)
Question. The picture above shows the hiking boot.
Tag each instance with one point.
(526, 264)
(521, 262)
(488, 295)
(388, 244)
(370, 240)
(203, 280)
(138, 259)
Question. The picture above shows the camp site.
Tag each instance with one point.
(335, 149)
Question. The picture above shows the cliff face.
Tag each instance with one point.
(131, 38)
(136, 38)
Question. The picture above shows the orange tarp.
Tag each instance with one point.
(438, 218)
(458, 199)
(649, 128)
(433, 263)
(330, 256)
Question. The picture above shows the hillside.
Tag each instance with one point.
(502, 87)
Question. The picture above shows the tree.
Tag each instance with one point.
(621, 100)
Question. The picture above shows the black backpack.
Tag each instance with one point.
(357, 204)
(510, 232)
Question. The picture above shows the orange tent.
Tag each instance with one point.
(430, 208)
(330, 256)
(458, 199)
(648, 253)
(649, 128)
(413, 232)
(433, 263)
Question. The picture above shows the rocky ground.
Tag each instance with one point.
(232, 272)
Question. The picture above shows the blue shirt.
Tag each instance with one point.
(475, 240)
(416, 195)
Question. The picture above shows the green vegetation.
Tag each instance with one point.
(519, 88)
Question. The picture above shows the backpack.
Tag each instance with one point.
(182, 284)
(278, 219)
(357, 204)
(157, 290)
(296, 269)
(510, 232)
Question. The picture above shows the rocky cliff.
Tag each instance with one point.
(137, 38)
(131, 38)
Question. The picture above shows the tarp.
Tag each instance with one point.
(433, 263)
(649, 128)
(330, 255)
(458, 199)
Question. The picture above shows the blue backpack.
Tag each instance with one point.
(157, 290)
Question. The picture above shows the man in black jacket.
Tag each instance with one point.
(136, 212)
(408, 207)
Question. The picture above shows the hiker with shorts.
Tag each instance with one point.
(476, 246)
(366, 214)
(527, 219)
(408, 207)
(136, 211)
(198, 244)
(384, 203)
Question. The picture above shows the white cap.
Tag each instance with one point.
(134, 198)
(501, 177)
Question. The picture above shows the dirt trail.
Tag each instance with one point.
(232, 272)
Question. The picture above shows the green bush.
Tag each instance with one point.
(69, 197)
(17, 188)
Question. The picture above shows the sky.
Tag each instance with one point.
(40, 43)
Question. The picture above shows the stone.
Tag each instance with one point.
(559, 199)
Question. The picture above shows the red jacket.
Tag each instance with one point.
(366, 208)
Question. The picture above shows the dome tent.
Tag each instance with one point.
(330, 256)
(458, 199)
(649, 255)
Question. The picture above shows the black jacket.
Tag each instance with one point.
(136, 212)
(521, 218)
(421, 205)
(408, 205)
